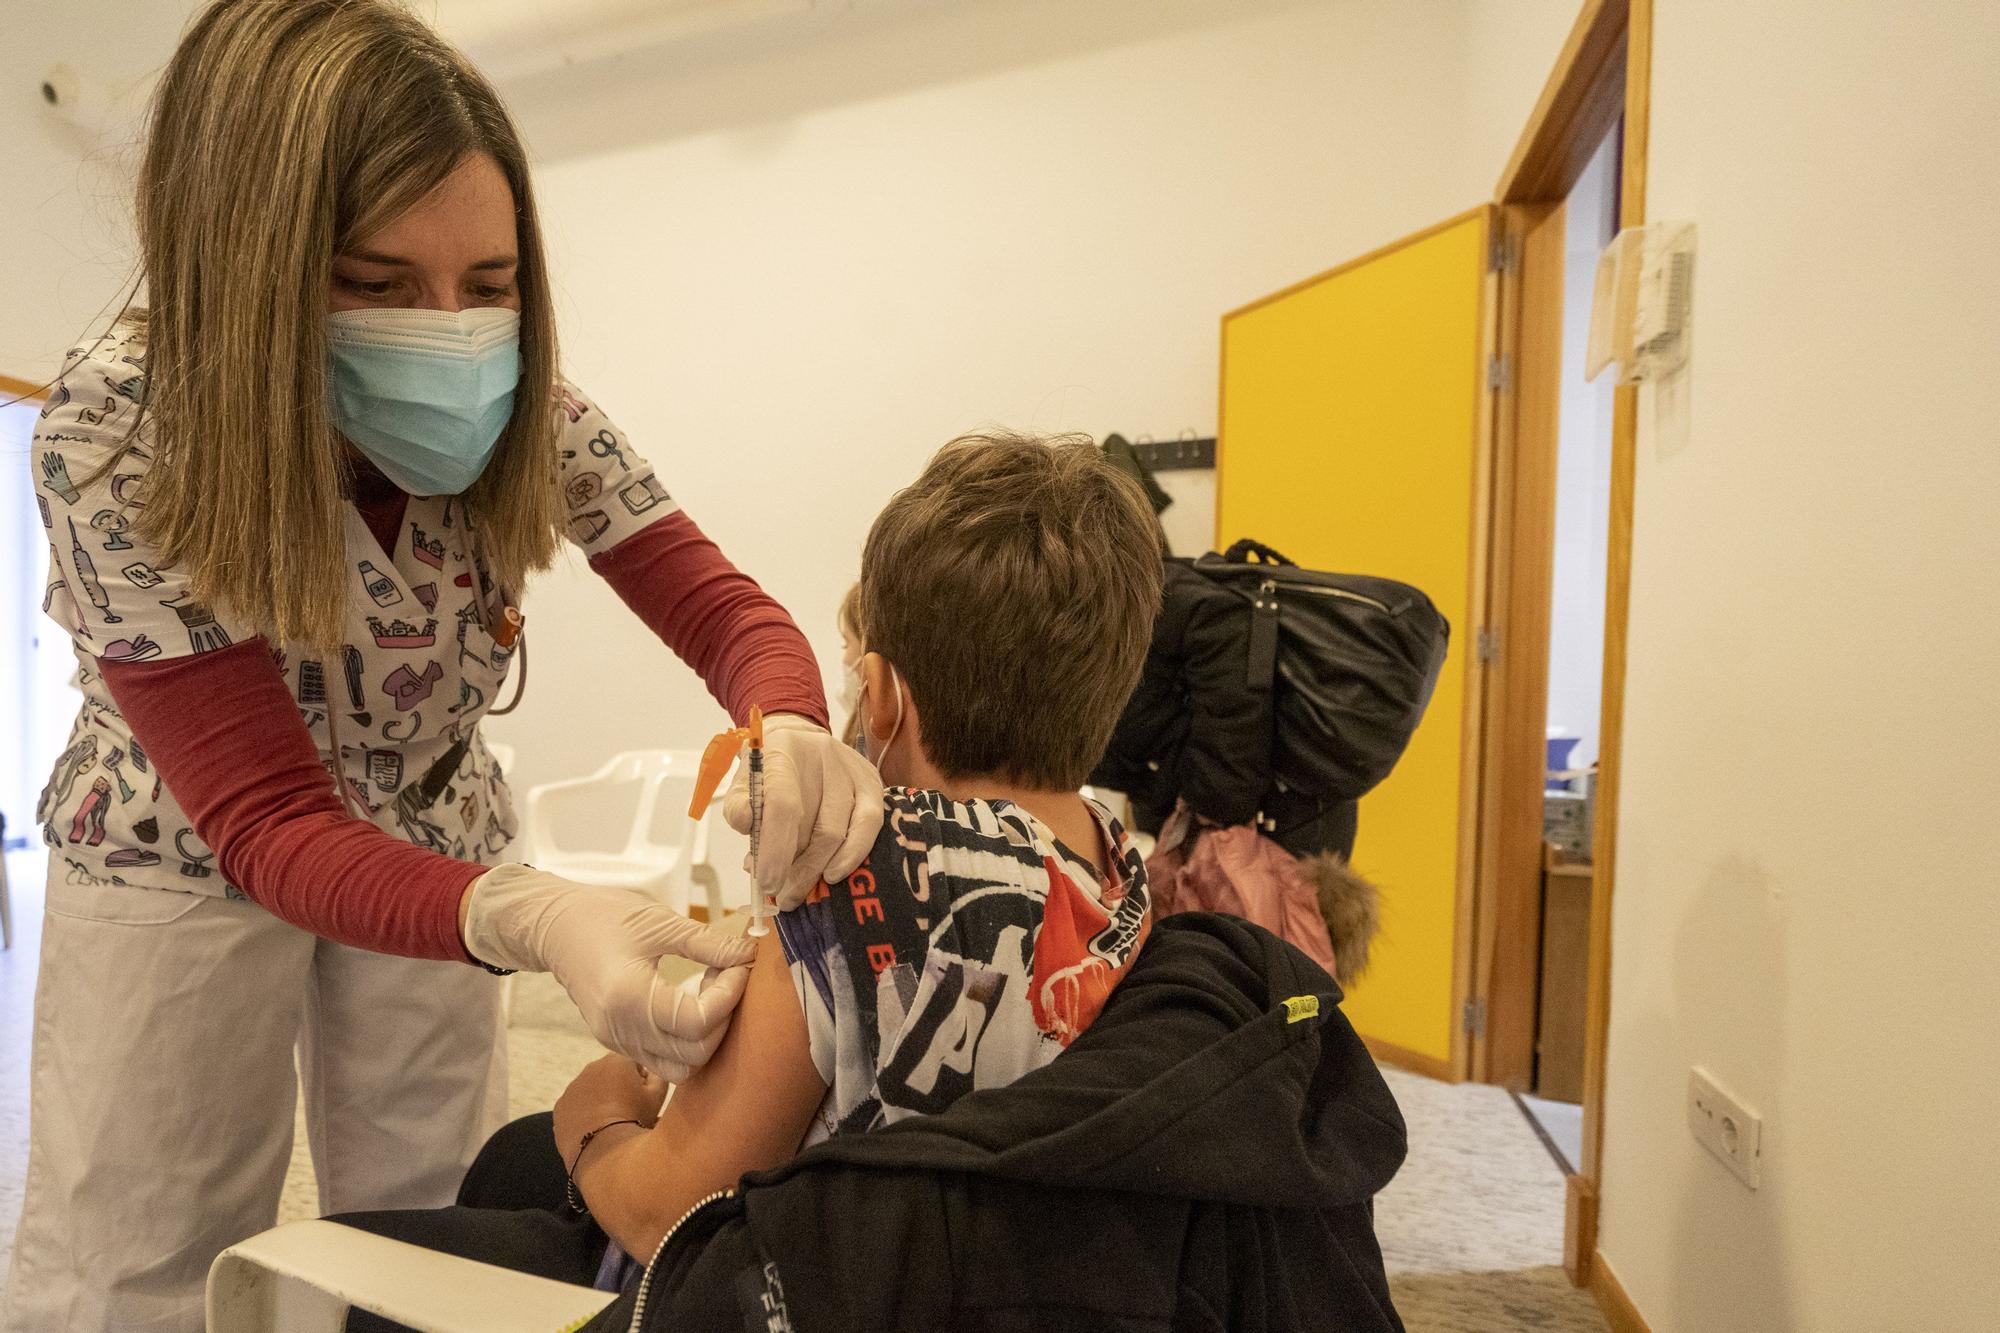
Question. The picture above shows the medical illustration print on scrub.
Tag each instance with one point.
(427, 642)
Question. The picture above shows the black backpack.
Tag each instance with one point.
(1351, 662)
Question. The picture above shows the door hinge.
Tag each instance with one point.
(1500, 373)
(1503, 253)
(1488, 643)
(1475, 1018)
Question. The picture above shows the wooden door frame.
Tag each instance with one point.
(1602, 74)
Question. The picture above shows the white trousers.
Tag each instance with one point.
(163, 1092)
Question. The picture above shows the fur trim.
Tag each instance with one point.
(1352, 908)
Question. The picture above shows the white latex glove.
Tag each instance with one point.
(822, 809)
(605, 946)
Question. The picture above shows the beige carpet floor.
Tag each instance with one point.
(1471, 1228)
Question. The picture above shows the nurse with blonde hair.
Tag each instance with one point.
(293, 495)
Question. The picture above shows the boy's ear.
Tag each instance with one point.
(879, 680)
(883, 683)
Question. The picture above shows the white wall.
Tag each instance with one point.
(1189, 521)
(65, 236)
(1808, 848)
(1511, 46)
(793, 276)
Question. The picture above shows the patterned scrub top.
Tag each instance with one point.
(417, 671)
(969, 948)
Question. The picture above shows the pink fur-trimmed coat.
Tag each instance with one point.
(1206, 868)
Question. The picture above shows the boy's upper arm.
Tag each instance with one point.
(745, 1110)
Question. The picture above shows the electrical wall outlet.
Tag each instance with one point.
(1725, 1126)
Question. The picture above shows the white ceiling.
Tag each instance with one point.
(511, 39)
(104, 90)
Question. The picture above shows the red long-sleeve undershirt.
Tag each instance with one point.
(229, 743)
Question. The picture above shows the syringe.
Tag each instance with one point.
(715, 764)
(760, 906)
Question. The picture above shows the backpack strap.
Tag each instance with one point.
(1261, 659)
(1240, 552)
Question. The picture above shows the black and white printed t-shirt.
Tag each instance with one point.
(968, 949)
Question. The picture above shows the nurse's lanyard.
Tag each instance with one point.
(716, 762)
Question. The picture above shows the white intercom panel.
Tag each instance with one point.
(1643, 306)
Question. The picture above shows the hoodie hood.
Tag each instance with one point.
(1221, 1069)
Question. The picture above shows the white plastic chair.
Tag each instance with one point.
(303, 1277)
(667, 870)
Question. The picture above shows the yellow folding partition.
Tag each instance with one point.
(1351, 439)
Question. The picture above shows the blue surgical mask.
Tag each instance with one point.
(425, 394)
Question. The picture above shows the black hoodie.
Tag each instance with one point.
(1204, 1157)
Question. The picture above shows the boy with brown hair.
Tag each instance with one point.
(1009, 596)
